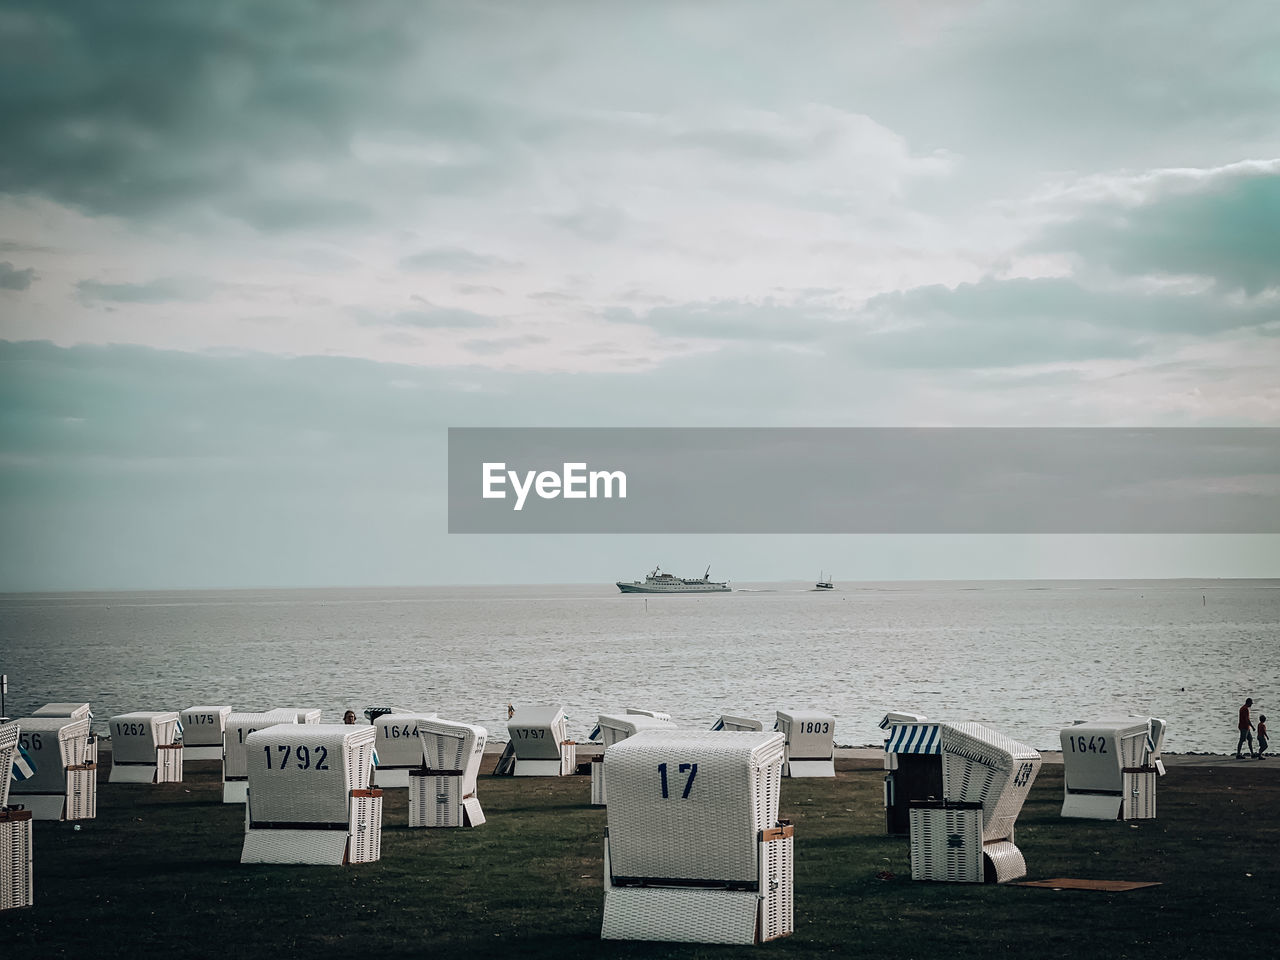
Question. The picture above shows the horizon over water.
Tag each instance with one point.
(1024, 656)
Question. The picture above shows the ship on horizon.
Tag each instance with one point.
(659, 582)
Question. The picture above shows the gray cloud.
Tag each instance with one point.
(428, 317)
(161, 290)
(11, 278)
(1225, 226)
(455, 260)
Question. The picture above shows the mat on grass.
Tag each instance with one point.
(1072, 883)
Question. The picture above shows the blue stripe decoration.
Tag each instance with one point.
(375, 757)
(24, 768)
(914, 738)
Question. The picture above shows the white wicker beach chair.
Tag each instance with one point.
(16, 888)
(733, 724)
(694, 850)
(202, 730)
(73, 711)
(811, 744)
(235, 770)
(540, 740)
(64, 785)
(967, 834)
(145, 747)
(310, 799)
(444, 793)
(1110, 768)
(913, 759)
(399, 748)
(613, 728)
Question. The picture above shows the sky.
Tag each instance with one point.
(256, 259)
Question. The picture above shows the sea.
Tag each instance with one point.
(1024, 657)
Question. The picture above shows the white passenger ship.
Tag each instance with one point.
(659, 582)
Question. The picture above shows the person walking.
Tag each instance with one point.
(1246, 729)
(1262, 736)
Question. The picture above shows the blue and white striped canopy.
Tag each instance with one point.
(914, 738)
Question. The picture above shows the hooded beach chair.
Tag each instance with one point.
(811, 744)
(146, 747)
(202, 730)
(1110, 768)
(694, 850)
(73, 711)
(64, 784)
(540, 742)
(443, 794)
(309, 795)
(966, 835)
(913, 761)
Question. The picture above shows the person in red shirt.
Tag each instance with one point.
(1262, 735)
(1246, 729)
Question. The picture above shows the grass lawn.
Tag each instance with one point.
(159, 870)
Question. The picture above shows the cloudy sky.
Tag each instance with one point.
(256, 258)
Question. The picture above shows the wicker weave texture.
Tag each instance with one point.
(204, 726)
(304, 773)
(777, 888)
(435, 800)
(680, 915)
(449, 745)
(1139, 795)
(169, 763)
(537, 732)
(399, 744)
(365, 843)
(598, 797)
(1006, 860)
(82, 792)
(16, 886)
(135, 736)
(721, 790)
(9, 734)
(983, 766)
(238, 727)
(318, 847)
(53, 743)
(946, 844)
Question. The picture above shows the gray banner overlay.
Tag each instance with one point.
(865, 480)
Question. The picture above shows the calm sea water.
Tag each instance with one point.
(1023, 656)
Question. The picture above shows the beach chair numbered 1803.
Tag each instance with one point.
(694, 850)
(811, 745)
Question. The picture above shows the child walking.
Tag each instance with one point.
(1262, 736)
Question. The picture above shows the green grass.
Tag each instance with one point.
(160, 869)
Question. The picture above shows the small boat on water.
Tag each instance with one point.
(659, 582)
(824, 582)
